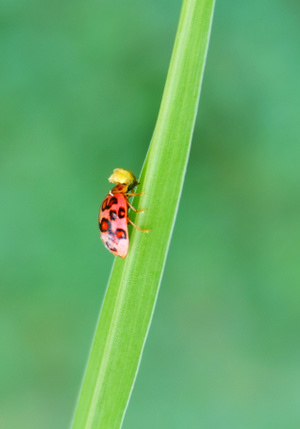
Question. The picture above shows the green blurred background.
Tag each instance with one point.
(81, 84)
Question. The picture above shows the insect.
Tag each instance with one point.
(113, 215)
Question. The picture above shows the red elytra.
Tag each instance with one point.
(113, 215)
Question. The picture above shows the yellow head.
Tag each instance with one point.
(125, 177)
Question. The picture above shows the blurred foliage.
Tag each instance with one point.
(80, 90)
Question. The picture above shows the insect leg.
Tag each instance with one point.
(132, 208)
(142, 230)
(132, 194)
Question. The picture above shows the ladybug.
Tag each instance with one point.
(113, 215)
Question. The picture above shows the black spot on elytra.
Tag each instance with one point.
(121, 234)
(108, 203)
(104, 204)
(121, 212)
(104, 225)
(108, 244)
(113, 214)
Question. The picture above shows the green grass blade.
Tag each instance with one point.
(133, 287)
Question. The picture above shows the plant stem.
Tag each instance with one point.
(134, 283)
